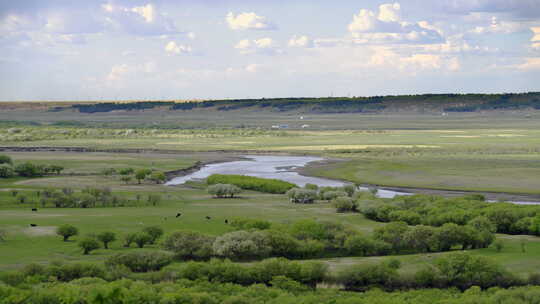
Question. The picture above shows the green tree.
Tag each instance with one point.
(5, 159)
(392, 233)
(142, 239)
(158, 177)
(67, 231)
(129, 239)
(189, 244)
(88, 244)
(106, 237)
(6, 171)
(126, 171)
(141, 174)
(155, 232)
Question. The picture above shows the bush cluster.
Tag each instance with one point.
(436, 211)
(223, 190)
(266, 185)
(140, 261)
(26, 169)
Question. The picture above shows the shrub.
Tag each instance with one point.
(141, 174)
(155, 232)
(28, 169)
(302, 196)
(189, 244)
(67, 231)
(6, 171)
(5, 159)
(140, 261)
(70, 272)
(266, 185)
(223, 190)
(157, 177)
(361, 277)
(344, 204)
(88, 244)
(242, 245)
(141, 239)
(311, 187)
(349, 189)
(330, 195)
(463, 271)
(129, 239)
(247, 224)
(106, 237)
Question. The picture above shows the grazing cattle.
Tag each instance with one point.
(178, 214)
(226, 221)
(33, 225)
(208, 218)
(34, 209)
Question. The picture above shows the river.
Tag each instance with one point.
(280, 167)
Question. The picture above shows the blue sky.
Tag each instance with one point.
(164, 49)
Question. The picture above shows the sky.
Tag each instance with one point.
(208, 49)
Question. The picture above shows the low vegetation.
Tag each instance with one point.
(438, 211)
(251, 183)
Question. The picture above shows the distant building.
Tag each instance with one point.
(305, 126)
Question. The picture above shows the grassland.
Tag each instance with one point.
(499, 152)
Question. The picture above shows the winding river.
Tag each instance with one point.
(279, 167)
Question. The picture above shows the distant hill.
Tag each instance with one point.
(425, 103)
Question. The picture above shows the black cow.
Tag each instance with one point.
(178, 214)
(226, 221)
(33, 225)
(208, 218)
(34, 209)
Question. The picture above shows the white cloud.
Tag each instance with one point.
(530, 64)
(301, 41)
(248, 21)
(499, 27)
(536, 34)
(263, 46)
(147, 12)
(143, 20)
(177, 49)
(389, 12)
(387, 27)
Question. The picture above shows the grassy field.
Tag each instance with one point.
(499, 152)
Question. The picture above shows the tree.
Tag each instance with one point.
(158, 177)
(28, 169)
(242, 244)
(88, 244)
(392, 233)
(360, 245)
(419, 238)
(302, 196)
(142, 239)
(126, 179)
(189, 244)
(126, 171)
(129, 238)
(106, 237)
(344, 204)
(224, 190)
(155, 232)
(5, 159)
(67, 231)
(141, 174)
(55, 168)
(6, 171)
